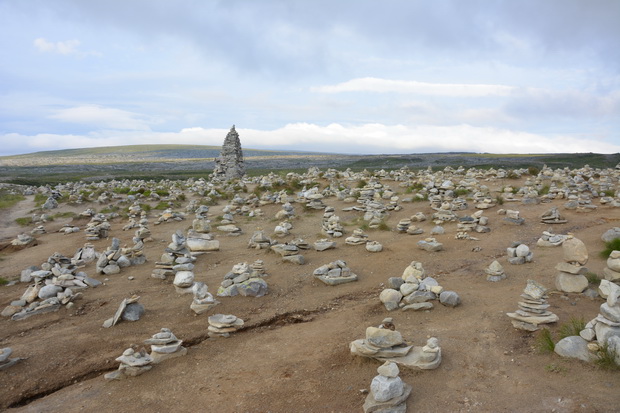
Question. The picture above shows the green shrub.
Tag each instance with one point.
(609, 192)
(122, 190)
(162, 205)
(613, 245)
(593, 278)
(544, 190)
(362, 183)
(544, 341)
(532, 170)
(572, 328)
(39, 199)
(24, 221)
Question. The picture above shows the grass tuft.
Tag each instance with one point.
(613, 245)
(572, 328)
(593, 278)
(24, 221)
(545, 342)
(606, 358)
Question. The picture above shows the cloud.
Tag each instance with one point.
(371, 138)
(66, 48)
(373, 84)
(102, 117)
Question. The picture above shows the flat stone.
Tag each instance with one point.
(570, 283)
(418, 306)
(383, 338)
(574, 347)
(571, 268)
(395, 405)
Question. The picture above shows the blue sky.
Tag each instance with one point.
(350, 76)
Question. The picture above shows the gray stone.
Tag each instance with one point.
(386, 388)
(253, 287)
(395, 282)
(575, 250)
(111, 269)
(611, 234)
(383, 338)
(418, 306)
(229, 165)
(449, 298)
(49, 291)
(295, 259)
(570, 283)
(574, 347)
(184, 279)
(132, 312)
(395, 405)
(388, 369)
(390, 298)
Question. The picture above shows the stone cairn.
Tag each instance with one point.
(384, 343)
(495, 272)
(229, 165)
(548, 240)
(259, 241)
(415, 291)
(330, 224)
(552, 216)
(133, 363)
(168, 215)
(221, 325)
(532, 308)
(5, 361)
(56, 282)
(512, 217)
(519, 253)
(114, 258)
(602, 331)
(129, 310)
(612, 271)
(571, 278)
(98, 228)
(406, 225)
(324, 244)
(335, 273)
(203, 300)
(24, 241)
(388, 393)
(430, 244)
(164, 346)
(245, 280)
(176, 257)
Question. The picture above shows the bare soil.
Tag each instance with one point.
(293, 354)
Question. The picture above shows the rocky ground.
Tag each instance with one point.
(293, 353)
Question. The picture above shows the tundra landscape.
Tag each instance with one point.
(412, 227)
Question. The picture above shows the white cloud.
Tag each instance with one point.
(373, 84)
(362, 139)
(102, 117)
(66, 48)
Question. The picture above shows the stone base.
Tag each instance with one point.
(159, 357)
(202, 308)
(496, 278)
(395, 405)
(337, 280)
(570, 283)
(183, 290)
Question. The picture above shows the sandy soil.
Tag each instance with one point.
(293, 355)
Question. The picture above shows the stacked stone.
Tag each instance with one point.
(244, 280)
(430, 245)
(532, 308)
(229, 165)
(133, 363)
(335, 273)
(552, 216)
(384, 343)
(476, 222)
(571, 278)
(24, 241)
(388, 393)
(176, 257)
(282, 229)
(143, 232)
(374, 213)
(444, 213)
(164, 346)
(221, 325)
(97, 228)
(112, 260)
(289, 253)
(5, 361)
(259, 241)
(203, 300)
(512, 217)
(415, 291)
(129, 310)
(374, 246)
(549, 239)
(286, 212)
(519, 253)
(168, 215)
(358, 238)
(330, 224)
(84, 255)
(65, 230)
(612, 271)
(200, 243)
(495, 272)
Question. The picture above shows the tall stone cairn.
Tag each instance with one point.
(229, 165)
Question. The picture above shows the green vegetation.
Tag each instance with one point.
(67, 214)
(3, 281)
(544, 341)
(609, 192)
(606, 358)
(613, 245)
(554, 368)
(461, 192)
(109, 209)
(162, 205)
(39, 199)
(499, 200)
(361, 184)
(24, 221)
(544, 190)
(532, 170)
(572, 328)
(8, 200)
(593, 278)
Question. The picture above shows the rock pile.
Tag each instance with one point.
(495, 272)
(98, 228)
(168, 215)
(129, 310)
(388, 393)
(335, 273)
(512, 217)
(229, 165)
(245, 280)
(549, 239)
(330, 224)
(203, 300)
(571, 278)
(532, 308)
(24, 241)
(259, 241)
(519, 254)
(612, 271)
(289, 253)
(430, 245)
(164, 346)
(384, 343)
(133, 363)
(552, 216)
(221, 325)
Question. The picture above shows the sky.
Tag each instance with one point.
(342, 76)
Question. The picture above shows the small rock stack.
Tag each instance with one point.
(495, 272)
(388, 393)
(519, 254)
(177, 257)
(331, 224)
(165, 345)
(203, 300)
(384, 343)
(549, 239)
(98, 228)
(335, 273)
(430, 245)
(571, 278)
(221, 325)
(244, 280)
(129, 310)
(532, 308)
(259, 241)
(513, 218)
(612, 272)
(133, 363)
(324, 244)
(552, 216)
